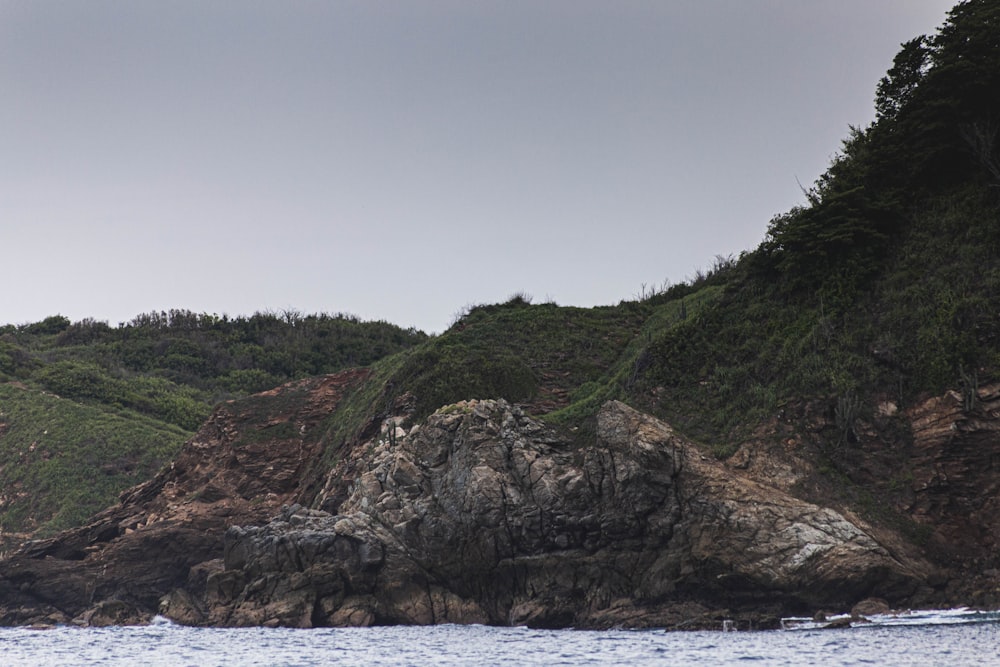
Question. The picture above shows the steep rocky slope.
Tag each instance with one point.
(956, 487)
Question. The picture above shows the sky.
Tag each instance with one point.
(402, 160)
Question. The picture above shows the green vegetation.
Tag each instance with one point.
(91, 409)
(174, 366)
(558, 362)
(518, 351)
(535, 355)
(60, 462)
(887, 283)
(883, 287)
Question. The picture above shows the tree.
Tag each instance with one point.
(49, 326)
(896, 88)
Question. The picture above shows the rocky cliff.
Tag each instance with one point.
(954, 481)
(480, 513)
(485, 515)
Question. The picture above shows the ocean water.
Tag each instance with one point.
(926, 641)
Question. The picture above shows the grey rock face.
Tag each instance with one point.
(485, 515)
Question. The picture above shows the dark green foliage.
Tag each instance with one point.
(80, 380)
(444, 374)
(242, 381)
(897, 87)
(965, 57)
(14, 361)
(122, 399)
(906, 325)
(887, 282)
(50, 325)
(938, 128)
(940, 294)
(843, 237)
(174, 366)
(519, 352)
(960, 89)
(669, 310)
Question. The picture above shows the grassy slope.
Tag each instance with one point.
(131, 395)
(61, 461)
(558, 362)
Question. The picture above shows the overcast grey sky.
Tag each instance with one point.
(399, 160)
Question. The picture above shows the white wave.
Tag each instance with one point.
(161, 620)
(904, 617)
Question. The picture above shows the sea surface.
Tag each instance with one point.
(945, 638)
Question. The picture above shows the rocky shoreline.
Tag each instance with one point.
(479, 514)
(483, 515)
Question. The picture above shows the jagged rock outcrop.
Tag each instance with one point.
(485, 515)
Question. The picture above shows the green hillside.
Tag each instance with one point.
(883, 287)
(87, 409)
(888, 282)
(173, 366)
(61, 462)
(882, 290)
